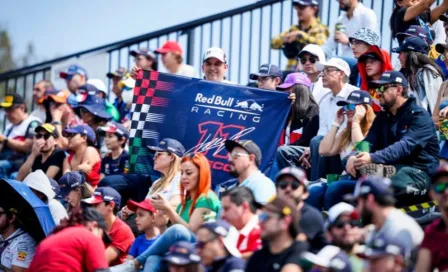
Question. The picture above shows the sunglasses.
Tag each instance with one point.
(284, 184)
(342, 224)
(201, 244)
(46, 136)
(440, 188)
(263, 217)
(349, 107)
(312, 60)
(384, 88)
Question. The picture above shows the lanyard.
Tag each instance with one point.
(425, 25)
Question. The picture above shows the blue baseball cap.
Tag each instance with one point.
(414, 44)
(222, 228)
(182, 253)
(81, 129)
(379, 187)
(384, 245)
(267, 70)
(120, 72)
(55, 187)
(72, 70)
(169, 145)
(95, 105)
(84, 91)
(104, 194)
(390, 77)
(69, 181)
(305, 3)
(415, 30)
(357, 98)
(114, 127)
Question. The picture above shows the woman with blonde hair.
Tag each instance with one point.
(358, 111)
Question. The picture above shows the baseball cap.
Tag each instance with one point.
(215, 52)
(103, 194)
(414, 44)
(143, 52)
(314, 50)
(95, 105)
(170, 46)
(169, 145)
(357, 98)
(366, 35)
(284, 207)
(222, 228)
(86, 90)
(379, 187)
(294, 172)
(55, 187)
(415, 30)
(331, 257)
(389, 77)
(335, 62)
(114, 127)
(442, 171)
(337, 210)
(48, 128)
(82, 129)
(182, 253)
(12, 99)
(73, 69)
(58, 96)
(92, 215)
(120, 72)
(369, 55)
(267, 70)
(305, 2)
(69, 181)
(145, 205)
(384, 245)
(99, 84)
(295, 78)
(248, 145)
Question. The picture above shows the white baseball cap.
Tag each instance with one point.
(314, 50)
(338, 209)
(215, 52)
(335, 62)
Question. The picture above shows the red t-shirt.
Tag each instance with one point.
(249, 237)
(436, 241)
(72, 249)
(122, 239)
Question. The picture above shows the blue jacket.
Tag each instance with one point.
(408, 138)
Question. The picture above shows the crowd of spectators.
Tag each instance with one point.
(363, 142)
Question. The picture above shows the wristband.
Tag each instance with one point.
(55, 123)
(336, 125)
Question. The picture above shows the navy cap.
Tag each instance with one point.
(114, 127)
(69, 181)
(267, 70)
(73, 70)
(169, 145)
(143, 52)
(369, 55)
(414, 44)
(383, 245)
(222, 228)
(103, 194)
(248, 145)
(86, 90)
(379, 187)
(294, 172)
(357, 98)
(120, 72)
(389, 77)
(55, 186)
(182, 253)
(415, 30)
(95, 105)
(82, 129)
(305, 2)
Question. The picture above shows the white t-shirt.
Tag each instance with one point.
(172, 190)
(57, 211)
(186, 70)
(19, 251)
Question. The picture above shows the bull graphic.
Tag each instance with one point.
(256, 106)
(243, 105)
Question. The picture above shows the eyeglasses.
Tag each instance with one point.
(356, 42)
(349, 107)
(384, 88)
(201, 244)
(328, 70)
(342, 224)
(235, 155)
(440, 188)
(283, 184)
(263, 217)
(46, 136)
(312, 60)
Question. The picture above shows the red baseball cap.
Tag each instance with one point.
(145, 205)
(170, 46)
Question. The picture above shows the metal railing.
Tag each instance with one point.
(244, 33)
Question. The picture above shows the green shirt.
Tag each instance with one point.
(209, 201)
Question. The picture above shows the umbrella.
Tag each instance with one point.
(34, 214)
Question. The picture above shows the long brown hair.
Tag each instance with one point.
(365, 125)
(205, 180)
(166, 180)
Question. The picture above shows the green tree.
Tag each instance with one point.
(6, 59)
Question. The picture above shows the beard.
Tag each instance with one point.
(234, 173)
(345, 7)
(366, 216)
(345, 246)
(387, 105)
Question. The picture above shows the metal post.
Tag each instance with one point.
(190, 46)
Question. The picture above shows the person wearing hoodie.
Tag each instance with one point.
(371, 65)
(41, 187)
